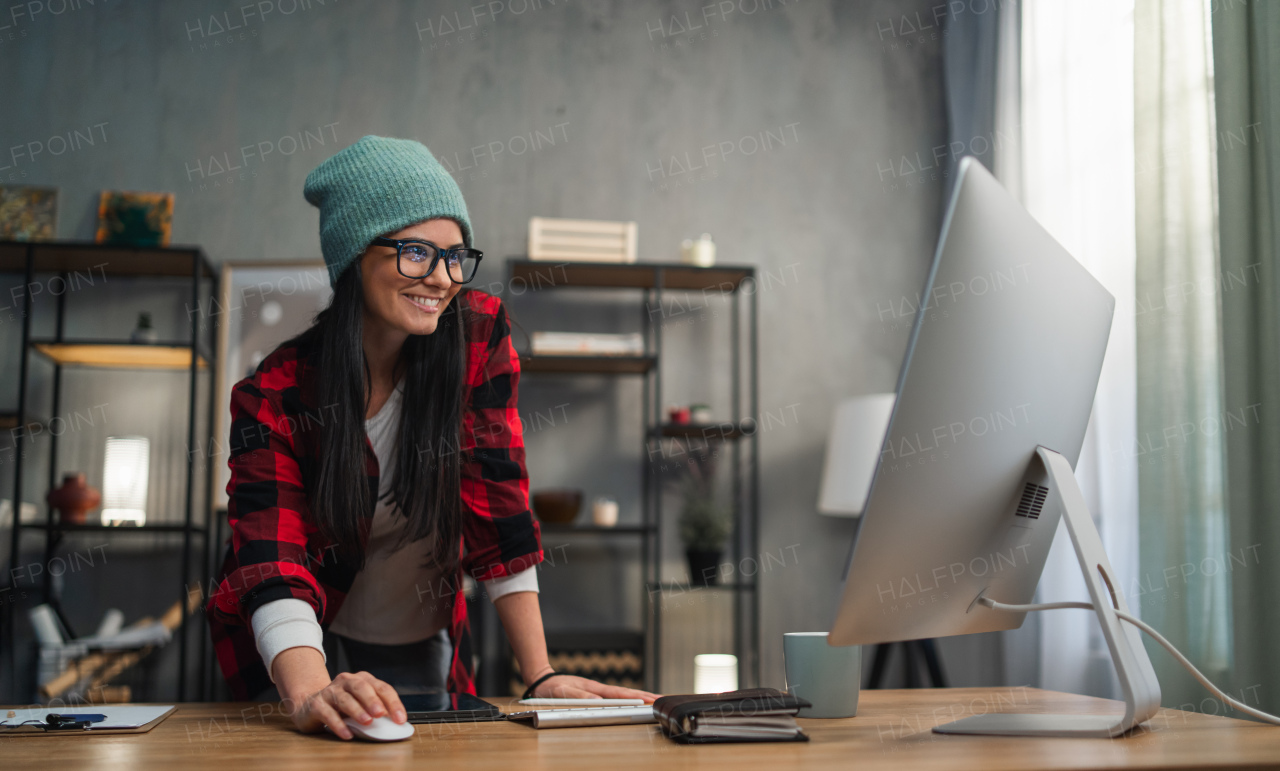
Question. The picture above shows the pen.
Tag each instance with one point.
(77, 720)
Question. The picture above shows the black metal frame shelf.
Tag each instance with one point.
(87, 263)
(653, 280)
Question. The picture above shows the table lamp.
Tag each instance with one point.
(857, 435)
(715, 673)
(124, 480)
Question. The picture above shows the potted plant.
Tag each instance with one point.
(705, 525)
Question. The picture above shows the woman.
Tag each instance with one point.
(375, 458)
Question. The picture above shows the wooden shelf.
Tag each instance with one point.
(706, 431)
(100, 528)
(551, 529)
(120, 355)
(677, 586)
(588, 365)
(9, 421)
(99, 260)
(528, 274)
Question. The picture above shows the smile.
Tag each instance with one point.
(424, 304)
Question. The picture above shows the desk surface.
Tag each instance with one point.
(892, 730)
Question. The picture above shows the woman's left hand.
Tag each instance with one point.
(573, 687)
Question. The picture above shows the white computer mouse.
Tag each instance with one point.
(382, 729)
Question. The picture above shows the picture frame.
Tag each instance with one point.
(28, 213)
(134, 218)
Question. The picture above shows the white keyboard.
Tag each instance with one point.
(585, 716)
(581, 702)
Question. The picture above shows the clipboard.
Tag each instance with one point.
(120, 719)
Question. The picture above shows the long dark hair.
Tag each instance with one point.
(427, 483)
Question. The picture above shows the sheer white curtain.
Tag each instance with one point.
(1179, 344)
(1073, 165)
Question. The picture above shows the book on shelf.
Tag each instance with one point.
(752, 715)
(587, 344)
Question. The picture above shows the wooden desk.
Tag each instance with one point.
(892, 730)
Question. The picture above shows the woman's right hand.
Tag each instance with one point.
(361, 696)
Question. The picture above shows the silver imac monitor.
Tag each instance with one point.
(976, 467)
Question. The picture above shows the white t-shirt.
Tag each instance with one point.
(393, 600)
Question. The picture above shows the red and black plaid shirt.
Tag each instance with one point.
(276, 551)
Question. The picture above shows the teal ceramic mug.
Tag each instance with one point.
(826, 677)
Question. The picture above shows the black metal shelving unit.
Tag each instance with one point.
(653, 281)
(67, 259)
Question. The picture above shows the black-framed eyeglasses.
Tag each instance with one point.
(416, 258)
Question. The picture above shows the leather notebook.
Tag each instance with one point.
(752, 715)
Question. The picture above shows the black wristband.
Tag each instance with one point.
(528, 692)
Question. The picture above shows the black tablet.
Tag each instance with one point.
(448, 708)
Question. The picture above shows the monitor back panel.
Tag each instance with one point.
(1005, 355)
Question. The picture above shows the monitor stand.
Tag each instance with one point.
(1133, 667)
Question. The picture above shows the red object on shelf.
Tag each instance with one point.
(73, 500)
(678, 415)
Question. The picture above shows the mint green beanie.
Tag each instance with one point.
(378, 186)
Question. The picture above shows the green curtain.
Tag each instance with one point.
(1183, 530)
(1246, 58)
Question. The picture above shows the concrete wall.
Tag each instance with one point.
(780, 128)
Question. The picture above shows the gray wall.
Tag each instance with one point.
(582, 109)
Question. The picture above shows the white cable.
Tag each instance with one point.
(1240, 706)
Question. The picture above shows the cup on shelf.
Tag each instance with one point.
(604, 512)
(700, 252)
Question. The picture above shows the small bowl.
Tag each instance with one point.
(557, 507)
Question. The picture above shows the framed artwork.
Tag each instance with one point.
(260, 305)
(28, 213)
(134, 219)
